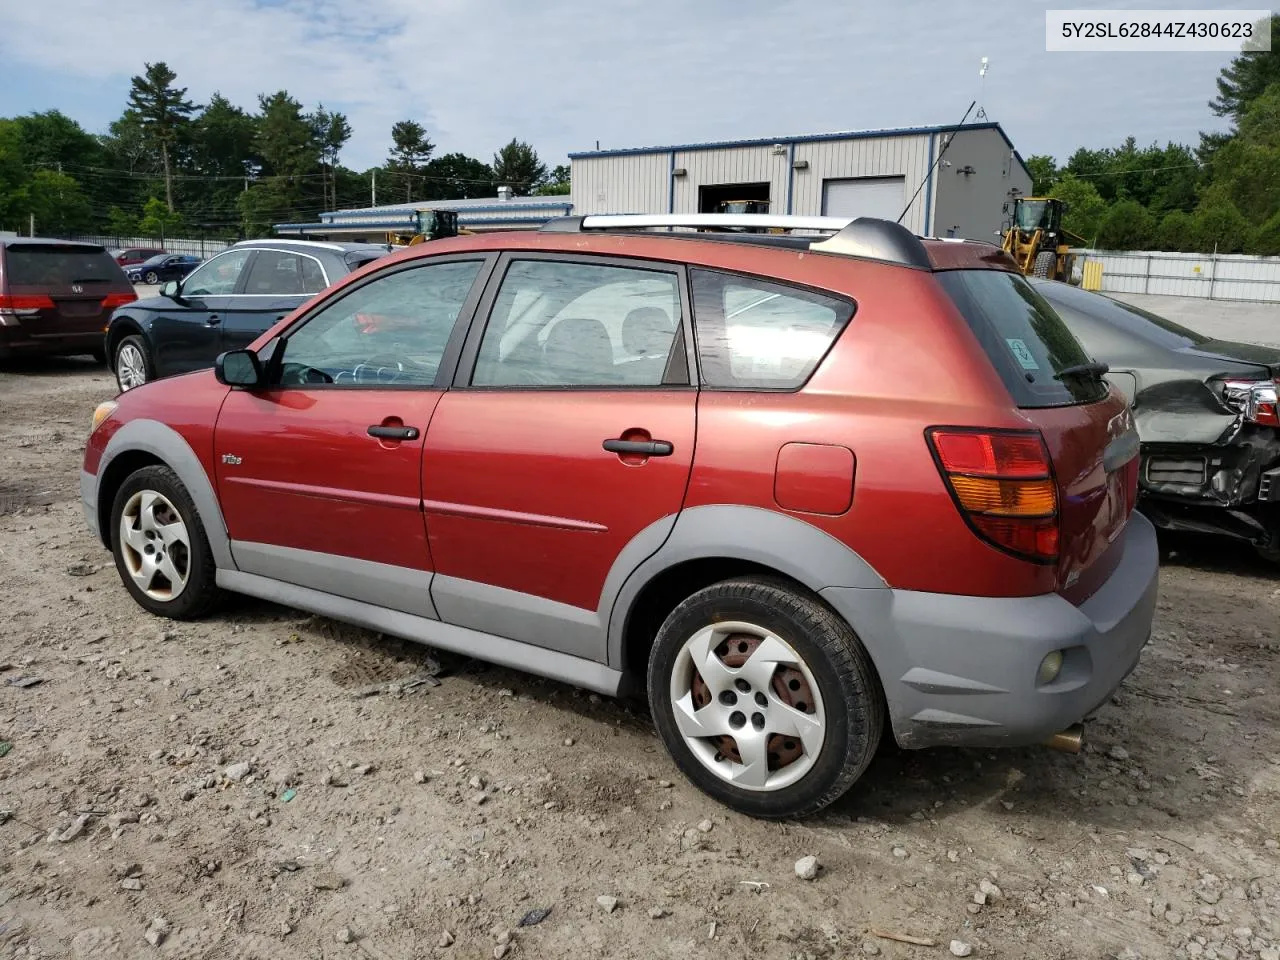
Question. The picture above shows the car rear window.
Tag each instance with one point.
(1134, 320)
(1027, 342)
(39, 265)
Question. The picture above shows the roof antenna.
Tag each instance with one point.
(945, 145)
(982, 90)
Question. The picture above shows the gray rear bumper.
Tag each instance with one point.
(962, 670)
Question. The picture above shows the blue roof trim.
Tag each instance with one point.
(809, 138)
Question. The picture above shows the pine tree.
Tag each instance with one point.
(164, 112)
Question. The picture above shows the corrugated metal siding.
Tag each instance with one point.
(1224, 277)
(972, 205)
(732, 165)
(620, 184)
(906, 157)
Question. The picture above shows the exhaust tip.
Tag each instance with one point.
(1070, 740)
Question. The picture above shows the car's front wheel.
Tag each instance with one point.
(133, 365)
(160, 547)
(151, 277)
(764, 697)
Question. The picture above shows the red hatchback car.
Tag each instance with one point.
(800, 487)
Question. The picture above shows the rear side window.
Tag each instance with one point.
(756, 335)
(1027, 341)
(40, 265)
(277, 273)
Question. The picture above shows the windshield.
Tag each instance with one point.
(37, 264)
(1029, 214)
(1133, 320)
(1027, 342)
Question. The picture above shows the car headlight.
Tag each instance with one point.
(101, 412)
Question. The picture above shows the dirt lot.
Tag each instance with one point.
(385, 826)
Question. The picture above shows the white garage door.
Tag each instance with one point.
(882, 197)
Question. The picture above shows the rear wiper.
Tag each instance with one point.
(1093, 370)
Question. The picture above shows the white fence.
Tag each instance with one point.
(1212, 276)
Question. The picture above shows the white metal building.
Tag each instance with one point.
(862, 173)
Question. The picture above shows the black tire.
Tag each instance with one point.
(151, 277)
(1269, 549)
(1046, 264)
(138, 343)
(852, 700)
(201, 593)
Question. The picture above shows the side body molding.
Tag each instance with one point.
(168, 445)
(787, 544)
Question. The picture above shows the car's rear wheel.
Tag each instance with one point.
(160, 547)
(764, 697)
(133, 364)
(151, 277)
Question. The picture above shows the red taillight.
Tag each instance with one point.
(1002, 481)
(32, 301)
(113, 300)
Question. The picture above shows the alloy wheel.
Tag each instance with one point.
(155, 545)
(131, 368)
(747, 706)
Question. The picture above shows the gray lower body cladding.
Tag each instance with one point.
(963, 670)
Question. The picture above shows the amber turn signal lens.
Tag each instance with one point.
(1006, 498)
(101, 412)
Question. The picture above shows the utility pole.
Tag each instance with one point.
(374, 201)
(32, 230)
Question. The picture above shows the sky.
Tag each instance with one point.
(566, 74)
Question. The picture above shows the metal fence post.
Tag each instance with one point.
(1146, 281)
(1213, 275)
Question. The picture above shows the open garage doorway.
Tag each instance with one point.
(712, 195)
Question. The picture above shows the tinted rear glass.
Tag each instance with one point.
(35, 265)
(1027, 342)
(1131, 319)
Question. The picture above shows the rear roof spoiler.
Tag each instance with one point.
(865, 237)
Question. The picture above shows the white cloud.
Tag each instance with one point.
(564, 73)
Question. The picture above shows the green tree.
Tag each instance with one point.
(455, 176)
(285, 137)
(121, 224)
(1175, 231)
(1218, 227)
(411, 148)
(1246, 77)
(1085, 208)
(164, 112)
(158, 221)
(56, 201)
(1266, 239)
(517, 166)
(224, 154)
(13, 174)
(1126, 226)
(1044, 171)
(331, 131)
(557, 182)
(51, 139)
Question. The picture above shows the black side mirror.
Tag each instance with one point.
(171, 291)
(238, 368)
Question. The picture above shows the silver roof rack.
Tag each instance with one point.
(864, 237)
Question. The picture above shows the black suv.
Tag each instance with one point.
(224, 305)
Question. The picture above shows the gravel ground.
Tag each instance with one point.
(230, 788)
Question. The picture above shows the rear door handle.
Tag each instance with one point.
(645, 448)
(393, 433)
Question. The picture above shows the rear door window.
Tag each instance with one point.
(58, 265)
(277, 273)
(1028, 343)
(756, 335)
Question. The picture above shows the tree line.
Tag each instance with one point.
(168, 166)
(1221, 195)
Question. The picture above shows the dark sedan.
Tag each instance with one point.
(1205, 410)
(224, 304)
(161, 269)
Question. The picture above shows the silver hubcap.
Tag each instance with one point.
(131, 371)
(747, 706)
(155, 545)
